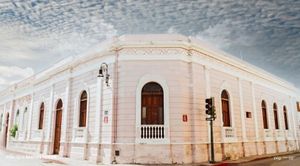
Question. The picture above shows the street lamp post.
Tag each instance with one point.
(103, 72)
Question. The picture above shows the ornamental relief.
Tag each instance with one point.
(153, 51)
(23, 101)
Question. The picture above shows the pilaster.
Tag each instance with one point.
(254, 113)
(242, 111)
(50, 118)
(30, 117)
(65, 115)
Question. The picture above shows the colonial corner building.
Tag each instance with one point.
(141, 99)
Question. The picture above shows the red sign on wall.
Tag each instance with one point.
(184, 118)
(105, 119)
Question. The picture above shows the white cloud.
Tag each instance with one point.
(222, 36)
(45, 36)
(172, 30)
(12, 74)
(38, 34)
(9, 71)
(3, 81)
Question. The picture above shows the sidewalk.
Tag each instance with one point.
(247, 159)
(41, 159)
(60, 161)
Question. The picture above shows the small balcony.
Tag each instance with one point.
(151, 133)
(80, 135)
(268, 133)
(280, 135)
(228, 132)
(37, 135)
(288, 134)
(21, 135)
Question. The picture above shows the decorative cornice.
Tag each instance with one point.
(156, 45)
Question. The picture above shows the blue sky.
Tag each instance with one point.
(35, 34)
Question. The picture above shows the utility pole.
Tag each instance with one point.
(212, 160)
(210, 111)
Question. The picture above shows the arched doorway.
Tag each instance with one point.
(6, 129)
(225, 109)
(152, 111)
(152, 104)
(57, 132)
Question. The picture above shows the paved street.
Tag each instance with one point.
(8, 158)
(287, 160)
(19, 159)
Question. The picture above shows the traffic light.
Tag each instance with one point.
(210, 110)
(209, 106)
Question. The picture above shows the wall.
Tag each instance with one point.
(188, 76)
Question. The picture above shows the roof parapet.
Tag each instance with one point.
(153, 40)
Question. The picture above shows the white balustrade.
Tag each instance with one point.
(288, 134)
(279, 134)
(228, 132)
(268, 133)
(80, 134)
(21, 135)
(152, 132)
(37, 135)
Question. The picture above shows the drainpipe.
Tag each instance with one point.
(115, 102)
(191, 95)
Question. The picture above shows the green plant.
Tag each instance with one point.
(13, 130)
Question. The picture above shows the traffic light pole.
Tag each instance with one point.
(212, 153)
(210, 111)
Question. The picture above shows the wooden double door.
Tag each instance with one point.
(57, 129)
(6, 130)
(152, 109)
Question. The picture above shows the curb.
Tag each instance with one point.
(237, 162)
(64, 161)
(43, 158)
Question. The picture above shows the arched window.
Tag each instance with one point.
(275, 116)
(1, 120)
(17, 119)
(83, 109)
(59, 105)
(285, 118)
(264, 114)
(24, 122)
(225, 108)
(152, 104)
(41, 119)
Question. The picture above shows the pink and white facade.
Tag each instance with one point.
(187, 71)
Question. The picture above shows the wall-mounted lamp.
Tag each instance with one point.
(103, 72)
